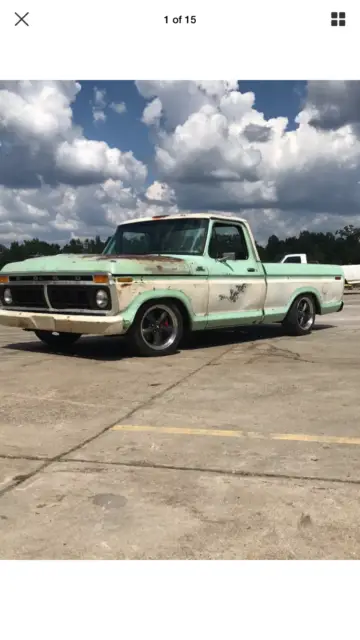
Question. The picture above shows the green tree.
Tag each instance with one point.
(341, 247)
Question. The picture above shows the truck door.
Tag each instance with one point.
(237, 285)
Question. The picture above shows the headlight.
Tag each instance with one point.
(7, 296)
(102, 299)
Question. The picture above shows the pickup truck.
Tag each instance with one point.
(162, 277)
(351, 271)
(295, 258)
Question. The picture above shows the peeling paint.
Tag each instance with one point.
(234, 293)
(136, 258)
(145, 264)
(185, 286)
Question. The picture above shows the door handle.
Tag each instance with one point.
(251, 269)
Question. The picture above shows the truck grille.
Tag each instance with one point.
(61, 297)
(72, 297)
(29, 296)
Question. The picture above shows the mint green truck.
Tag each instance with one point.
(160, 278)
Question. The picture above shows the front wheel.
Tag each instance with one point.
(157, 329)
(57, 340)
(301, 316)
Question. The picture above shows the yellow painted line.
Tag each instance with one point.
(184, 431)
(302, 437)
(232, 433)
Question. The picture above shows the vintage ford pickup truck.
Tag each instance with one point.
(162, 277)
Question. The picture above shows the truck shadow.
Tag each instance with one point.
(223, 337)
(115, 348)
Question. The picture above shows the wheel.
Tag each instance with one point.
(301, 316)
(57, 340)
(157, 329)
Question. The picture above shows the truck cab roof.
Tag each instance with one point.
(209, 215)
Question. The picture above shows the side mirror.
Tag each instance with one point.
(227, 256)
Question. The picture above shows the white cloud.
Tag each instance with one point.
(98, 115)
(53, 179)
(100, 97)
(40, 144)
(98, 105)
(118, 107)
(54, 214)
(152, 112)
(214, 150)
(332, 105)
(161, 193)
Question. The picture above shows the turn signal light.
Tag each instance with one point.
(101, 278)
(4, 279)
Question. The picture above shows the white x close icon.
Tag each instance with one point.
(22, 19)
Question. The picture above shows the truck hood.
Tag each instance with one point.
(117, 265)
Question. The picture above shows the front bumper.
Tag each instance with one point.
(84, 324)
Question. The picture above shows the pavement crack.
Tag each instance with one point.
(142, 464)
(59, 457)
(9, 456)
(258, 351)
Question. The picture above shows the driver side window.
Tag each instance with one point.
(227, 238)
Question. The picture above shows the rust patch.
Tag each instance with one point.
(154, 258)
(234, 293)
(145, 258)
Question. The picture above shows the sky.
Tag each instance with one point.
(77, 158)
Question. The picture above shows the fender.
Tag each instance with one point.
(128, 314)
(305, 290)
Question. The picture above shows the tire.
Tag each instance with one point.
(301, 316)
(157, 330)
(57, 340)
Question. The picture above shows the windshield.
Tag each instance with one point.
(170, 236)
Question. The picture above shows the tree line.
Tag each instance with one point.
(339, 247)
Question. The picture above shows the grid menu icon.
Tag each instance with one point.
(338, 19)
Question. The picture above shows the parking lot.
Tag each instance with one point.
(243, 445)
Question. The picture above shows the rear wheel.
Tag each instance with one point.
(57, 340)
(301, 316)
(157, 329)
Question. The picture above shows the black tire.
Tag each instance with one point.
(57, 340)
(157, 329)
(301, 316)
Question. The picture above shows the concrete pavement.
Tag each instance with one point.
(244, 445)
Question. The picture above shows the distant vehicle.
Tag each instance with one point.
(162, 277)
(294, 258)
(297, 258)
(351, 271)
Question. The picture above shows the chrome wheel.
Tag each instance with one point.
(305, 313)
(159, 327)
